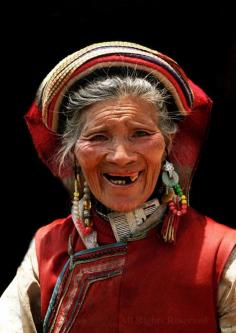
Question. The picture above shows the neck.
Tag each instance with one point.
(135, 224)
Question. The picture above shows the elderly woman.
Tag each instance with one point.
(123, 126)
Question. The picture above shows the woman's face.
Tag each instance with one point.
(120, 151)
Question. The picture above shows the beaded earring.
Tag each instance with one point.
(75, 211)
(81, 211)
(176, 201)
(86, 215)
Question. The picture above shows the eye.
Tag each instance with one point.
(141, 133)
(98, 137)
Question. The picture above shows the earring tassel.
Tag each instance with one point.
(170, 227)
(176, 208)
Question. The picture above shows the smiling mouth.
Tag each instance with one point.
(122, 180)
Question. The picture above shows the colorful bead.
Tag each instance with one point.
(87, 231)
(180, 206)
(177, 203)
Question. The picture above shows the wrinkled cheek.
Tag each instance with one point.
(94, 183)
(89, 159)
(85, 157)
(90, 170)
(154, 176)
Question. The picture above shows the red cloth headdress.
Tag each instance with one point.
(45, 115)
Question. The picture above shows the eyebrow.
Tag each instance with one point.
(95, 129)
(104, 128)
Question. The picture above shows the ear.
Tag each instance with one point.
(169, 143)
(71, 156)
(75, 163)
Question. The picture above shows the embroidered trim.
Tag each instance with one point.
(79, 278)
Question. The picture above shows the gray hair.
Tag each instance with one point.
(104, 89)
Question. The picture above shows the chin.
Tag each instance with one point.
(123, 207)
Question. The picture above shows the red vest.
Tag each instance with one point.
(144, 285)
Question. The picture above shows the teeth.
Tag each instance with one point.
(124, 181)
(118, 182)
(133, 178)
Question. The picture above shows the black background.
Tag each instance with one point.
(34, 39)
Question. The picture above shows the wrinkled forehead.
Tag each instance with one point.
(126, 110)
(98, 77)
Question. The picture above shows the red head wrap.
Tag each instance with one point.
(44, 116)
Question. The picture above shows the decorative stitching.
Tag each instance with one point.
(81, 276)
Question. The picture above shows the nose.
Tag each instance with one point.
(121, 154)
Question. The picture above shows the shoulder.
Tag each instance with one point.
(56, 231)
(219, 227)
(212, 237)
(207, 225)
(206, 233)
(52, 240)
